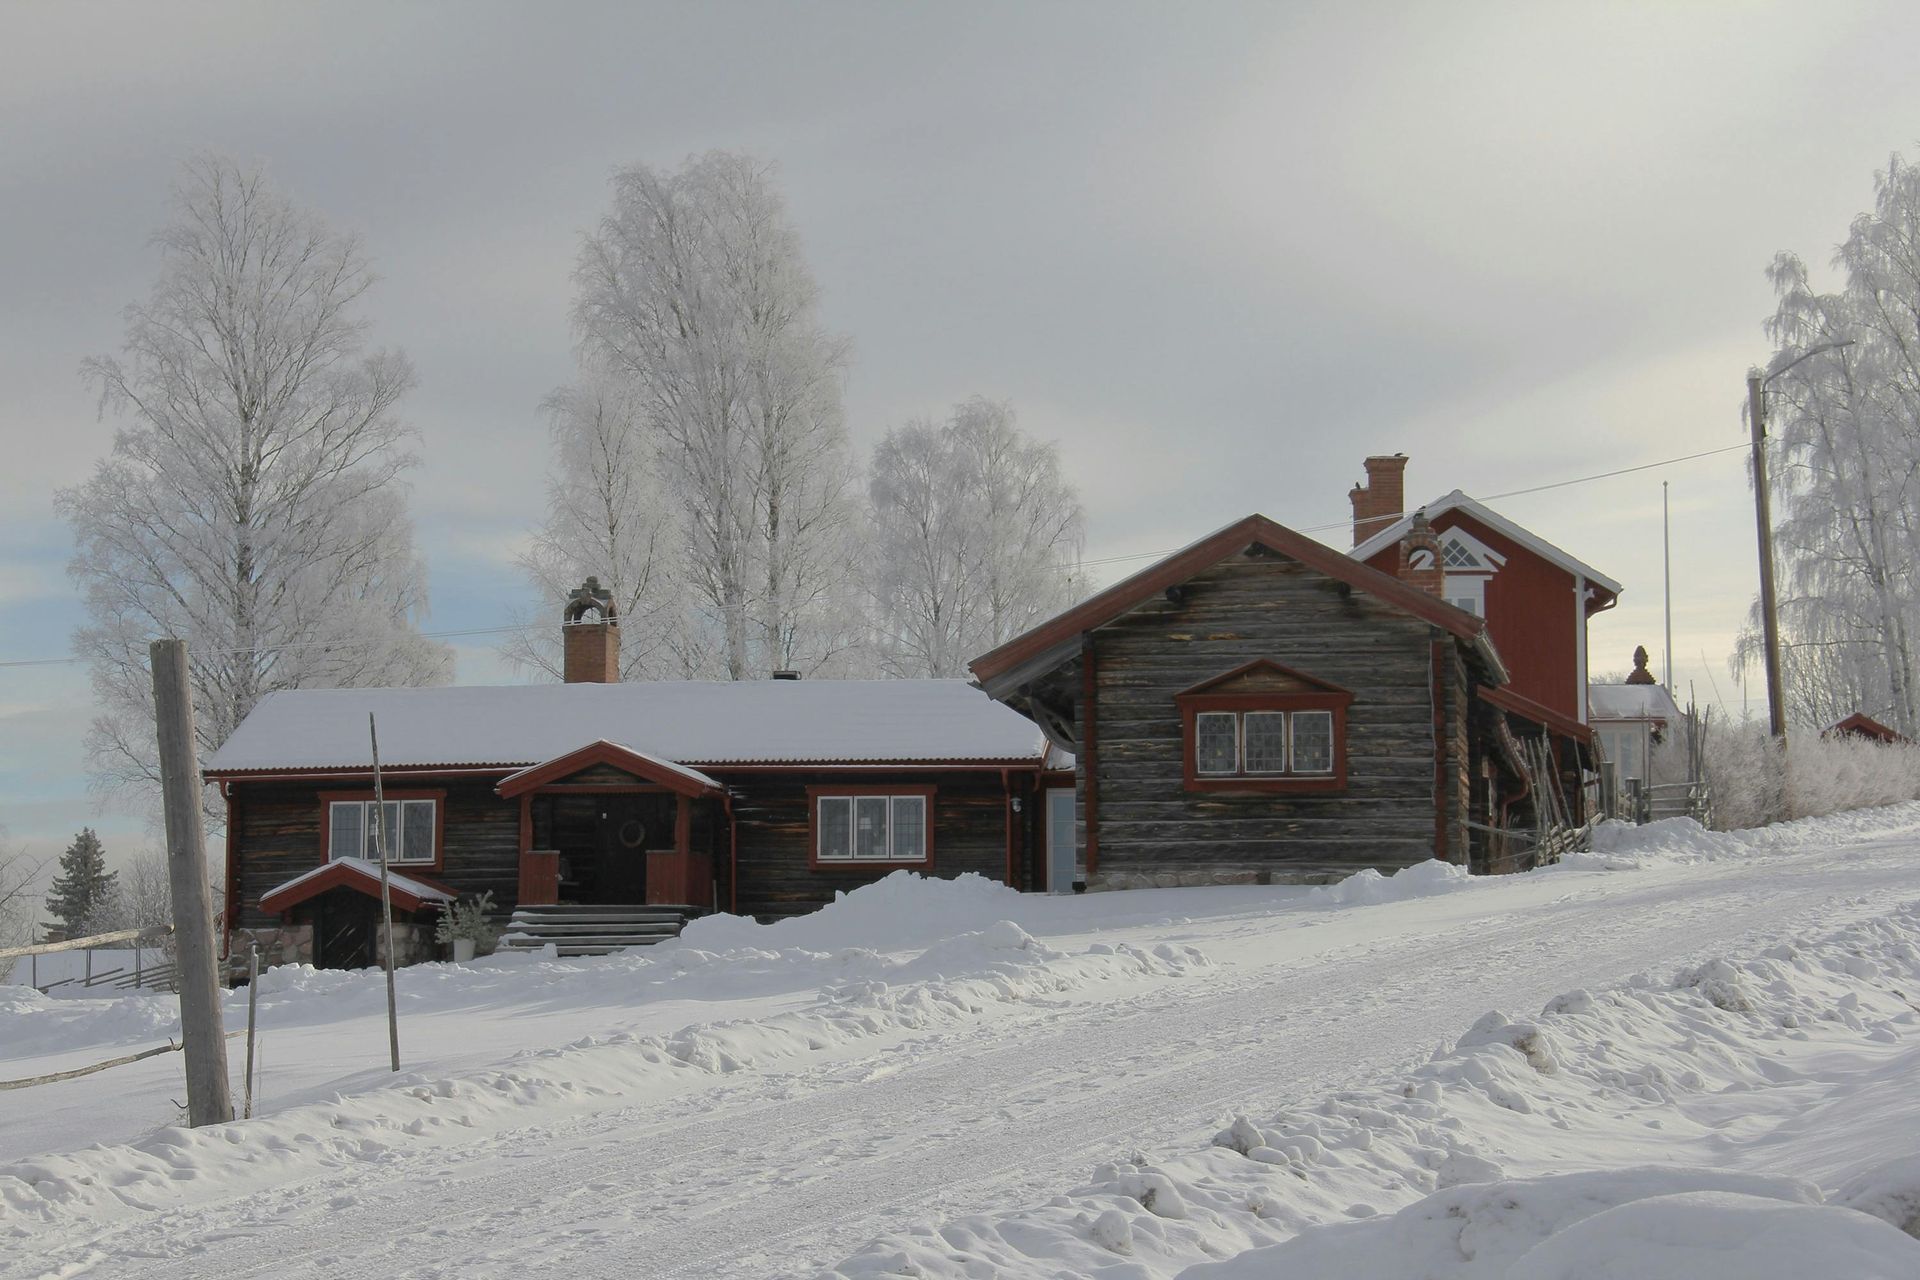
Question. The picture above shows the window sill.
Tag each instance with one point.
(1268, 786)
(868, 864)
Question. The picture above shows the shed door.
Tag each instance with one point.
(1062, 856)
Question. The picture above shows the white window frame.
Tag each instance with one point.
(889, 854)
(1286, 744)
(1293, 756)
(1234, 767)
(398, 856)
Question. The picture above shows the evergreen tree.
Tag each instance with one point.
(84, 886)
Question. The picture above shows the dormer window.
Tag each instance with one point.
(1265, 727)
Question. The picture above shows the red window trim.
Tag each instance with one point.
(816, 863)
(1192, 704)
(327, 799)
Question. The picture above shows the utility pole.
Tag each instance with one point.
(1666, 577)
(1763, 514)
(205, 1042)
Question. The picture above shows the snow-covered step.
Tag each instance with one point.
(591, 929)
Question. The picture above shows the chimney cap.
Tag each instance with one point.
(786, 673)
(591, 596)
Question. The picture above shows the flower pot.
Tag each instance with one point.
(462, 950)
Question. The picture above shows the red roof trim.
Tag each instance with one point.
(1255, 530)
(673, 778)
(1263, 664)
(1507, 700)
(341, 875)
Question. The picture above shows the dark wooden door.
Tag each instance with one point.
(342, 932)
(625, 830)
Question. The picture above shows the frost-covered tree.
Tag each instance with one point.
(608, 517)
(975, 536)
(18, 876)
(1845, 447)
(83, 891)
(251, 504)
(694, 291)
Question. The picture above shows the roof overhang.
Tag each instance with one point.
(1004, 670)
(408, 892)
(1539, 713)
(674, 777)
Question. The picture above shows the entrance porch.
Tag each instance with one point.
(607, 826)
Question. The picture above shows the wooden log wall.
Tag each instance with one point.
(969, 834)
(278, 834)
(1273, 607)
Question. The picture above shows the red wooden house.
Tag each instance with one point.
(1536, 598)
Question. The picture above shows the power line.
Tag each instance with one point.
(1492, 497)
(1083, 564)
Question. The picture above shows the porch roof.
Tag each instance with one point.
(675, 777)
(409, 893)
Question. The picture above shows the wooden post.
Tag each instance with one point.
(208, 1099)
(386, 891)
(253, 1000)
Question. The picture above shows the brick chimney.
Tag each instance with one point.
(592, 644)
(1420, 564)
(1380, 501)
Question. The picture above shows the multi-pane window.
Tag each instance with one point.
(1230, 744)
(1264, 727)
(1216, 746)
(1455, 555)
(870, 828)
(408, 830)
(1312, 741)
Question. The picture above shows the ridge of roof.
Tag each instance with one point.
(1457, 500)
(1210, 550)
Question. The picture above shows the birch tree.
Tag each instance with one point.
(19, 876)
(694, 290)
(975, 537)
(1845, 439)
(251, 504)
(608, 517)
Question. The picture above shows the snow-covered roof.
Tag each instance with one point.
(1458, 501)
(1630, 702)
(363, 874)
(690, 723)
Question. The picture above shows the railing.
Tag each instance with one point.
(139, 974)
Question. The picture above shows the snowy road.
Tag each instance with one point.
(780, 1170)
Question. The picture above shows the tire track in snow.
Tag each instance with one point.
(787, 1172)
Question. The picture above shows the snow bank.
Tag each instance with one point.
(901, 910)
(1488, 1151)
(1370, 888)
(871, 995)
(1626, 1224)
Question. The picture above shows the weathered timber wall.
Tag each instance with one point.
(1150, 826)
(969, 834)
(278, 838)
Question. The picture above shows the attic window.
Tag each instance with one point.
(1263, 727)
(1456, 556)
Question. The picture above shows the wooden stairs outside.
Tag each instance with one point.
(592, 929)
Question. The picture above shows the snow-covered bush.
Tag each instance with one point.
(1753, 786)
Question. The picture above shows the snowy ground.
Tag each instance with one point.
(1124, 1085)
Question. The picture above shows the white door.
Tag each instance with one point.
(1062, 855)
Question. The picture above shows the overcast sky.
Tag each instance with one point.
(1219, 253)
